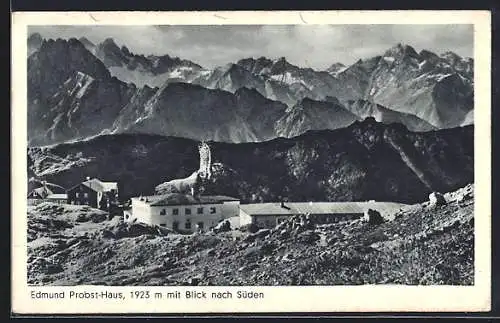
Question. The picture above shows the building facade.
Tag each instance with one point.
(182, 212)
(95, 193)
(267, 215)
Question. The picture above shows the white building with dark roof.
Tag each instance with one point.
(182, 212)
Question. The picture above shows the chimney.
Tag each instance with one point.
(282, 204)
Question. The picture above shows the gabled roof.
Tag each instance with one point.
(42, 191)
(98, 185)
(292, 208)
(185, 199)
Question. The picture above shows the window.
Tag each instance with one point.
(163, 212)
(188, 224)
(175, 225)
(77, 194)
(163, 224)
(200, 225)
(187, 211)
(212, 210)
(86, 195)
(175, 211)
(200, 210)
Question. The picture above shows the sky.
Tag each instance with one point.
(315, 46)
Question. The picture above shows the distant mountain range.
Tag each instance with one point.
(77, 90)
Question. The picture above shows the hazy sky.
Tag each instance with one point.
(316, 46)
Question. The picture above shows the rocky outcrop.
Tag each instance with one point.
(436, 199)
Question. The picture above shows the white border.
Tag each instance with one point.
(368, 298)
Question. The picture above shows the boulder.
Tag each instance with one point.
(223, 226)
(257, 235)
(373, 217)
(251, 227)
(308, 237)
(437, 199)
(464, 197)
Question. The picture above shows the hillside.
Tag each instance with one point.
(367, 160)
(424, 245)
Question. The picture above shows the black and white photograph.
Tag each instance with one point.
(250, 155)
(213, 152)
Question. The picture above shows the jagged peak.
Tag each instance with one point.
(48, 44)
(282, 62)
(450, 53)
(85, 40)
(109, 44)
(109, 41)
(336, 65)
(425, 53)
(452, 57)
(253, 59)
(35, 36)
(401, 50)
(281, 59)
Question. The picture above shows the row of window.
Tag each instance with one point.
(85, 195)
(78, 203)
(187, 225)
(187, 211)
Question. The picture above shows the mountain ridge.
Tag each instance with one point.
(417, 97)
(367, 160)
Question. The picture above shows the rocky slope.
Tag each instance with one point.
(73, 94)
(191, 111)
(422, 245)
(364, 161)
(313, 115)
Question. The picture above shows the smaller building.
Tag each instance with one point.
(267, 215)
(45, 194)
(40, 192)
(95, 193)
(182, 212)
